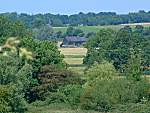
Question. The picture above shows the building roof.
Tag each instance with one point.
(75, 39)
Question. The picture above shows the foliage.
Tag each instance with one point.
(99, 46)
(44, 33)
(89, 19)
(72, 94)
(71, 31)
(12, 29)
(133, 68)
(116, 46)
(104, 94)
(16, 75)
(45, 53)
(50, 79)
(105, 89)
(4, 96)
(34, 70)
(101, 71)
(17, 78)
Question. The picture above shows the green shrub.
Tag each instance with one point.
(55, 97)
(72, 94)
(104, 94)
(4, 96)
(101, 71)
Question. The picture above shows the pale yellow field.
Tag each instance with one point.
(74, 56)
(73, 51)
(77, 61)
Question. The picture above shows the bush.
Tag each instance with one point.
(72, 94)
(104, 94)
(101, 71)
(55, 97)
(50, 79)
(4, 97)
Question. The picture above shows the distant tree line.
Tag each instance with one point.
(89, 19)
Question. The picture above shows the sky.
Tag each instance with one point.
(73, 6)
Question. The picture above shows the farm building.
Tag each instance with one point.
(73, 41)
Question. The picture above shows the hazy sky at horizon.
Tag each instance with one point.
(73, 6)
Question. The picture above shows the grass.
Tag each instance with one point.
(55, 108)
(80, 70)
(87, 29)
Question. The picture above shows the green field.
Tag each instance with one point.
(87, 29)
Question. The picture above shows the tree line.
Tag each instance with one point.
(89, 19)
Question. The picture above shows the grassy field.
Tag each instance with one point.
(87, 29)
(74, 58)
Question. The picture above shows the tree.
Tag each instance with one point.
(99, 46)
(16, 75)
(38, 22)
(45, 53)
(50, 78)
(89, 19)
(70, 31)
(121, 47)
(44, 33)
(139, 29)
(133, 68)
(105, 89)
(78, 32)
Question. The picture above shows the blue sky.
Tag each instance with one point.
(73, 6)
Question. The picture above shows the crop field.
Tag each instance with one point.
(74, 58)
(87, 29)
(73, 51)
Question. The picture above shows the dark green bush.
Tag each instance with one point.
(50, 79)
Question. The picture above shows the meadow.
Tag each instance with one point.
(88, 29)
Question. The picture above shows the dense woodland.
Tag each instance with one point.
(33, 72)
(89, 19)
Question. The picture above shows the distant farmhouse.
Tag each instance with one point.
(73, 41)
